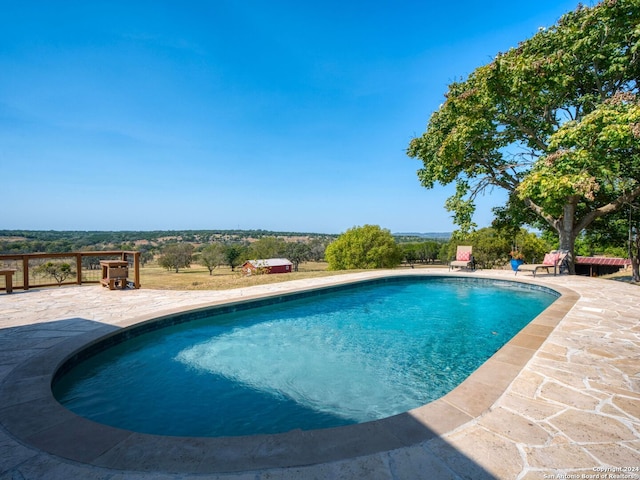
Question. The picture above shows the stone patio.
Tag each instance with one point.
(561, 400)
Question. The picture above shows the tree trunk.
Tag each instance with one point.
(567, 235)
(568, 242)
(635, 269)
(634, 244)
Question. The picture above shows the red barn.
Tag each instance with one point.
(267, 265)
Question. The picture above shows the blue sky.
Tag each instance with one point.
(279, 115)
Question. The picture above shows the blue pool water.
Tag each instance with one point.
(332, 359)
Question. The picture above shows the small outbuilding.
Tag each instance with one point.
(267, 265)
(596, 266)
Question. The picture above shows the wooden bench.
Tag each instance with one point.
(8, 278)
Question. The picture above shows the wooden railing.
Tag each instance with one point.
(86, 266)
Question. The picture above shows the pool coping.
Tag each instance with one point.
(31, 414)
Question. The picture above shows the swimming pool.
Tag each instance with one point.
(395, 362)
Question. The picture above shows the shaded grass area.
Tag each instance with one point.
(621, 276)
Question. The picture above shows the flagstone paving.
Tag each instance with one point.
(561, 400)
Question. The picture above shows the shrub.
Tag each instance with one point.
(364, 247)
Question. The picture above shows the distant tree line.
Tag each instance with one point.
(53, 241)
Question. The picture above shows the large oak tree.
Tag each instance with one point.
(555, 122)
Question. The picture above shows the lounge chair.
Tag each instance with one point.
(552, 259)
(464, 258)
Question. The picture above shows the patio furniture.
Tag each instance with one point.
(8, 278)
(114, 273)
(464, 258)
(551, 260)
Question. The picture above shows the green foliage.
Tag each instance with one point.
(462, 208)
(443, 253)
(53, 241)
(146, 256)
(176, 256)
(611, 237)
(554, 122)
(368, 246)
(267, 247)
(409, 254)
(212, 256)
(58, 270)
(589, 246)
(593, 161)
(317, 248)
(532, 246)
(297, 252)
(91, 263)
(421, 252)
(492, 247)
(234, 255)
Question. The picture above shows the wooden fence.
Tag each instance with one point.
(86, 266)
